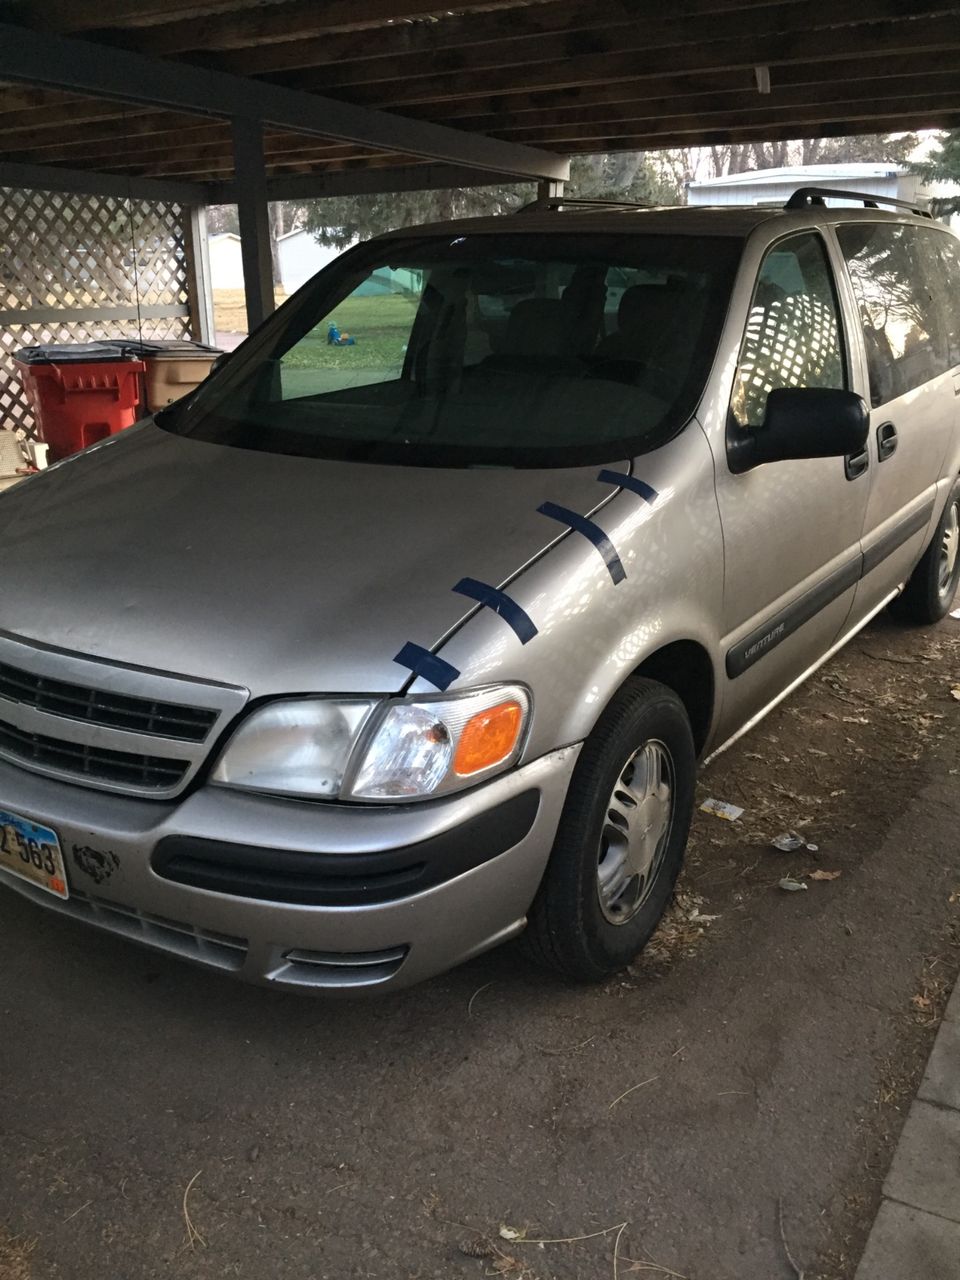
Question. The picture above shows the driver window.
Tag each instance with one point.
(793, 336)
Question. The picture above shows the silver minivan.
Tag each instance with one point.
(405, 633)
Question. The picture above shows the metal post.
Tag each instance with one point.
(254, 218)
(200, 286)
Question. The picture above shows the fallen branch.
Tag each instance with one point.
(193, 1235)
(632, 1089)
(798, 1270)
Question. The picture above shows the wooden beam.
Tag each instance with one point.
(651, 36)
(721, 112)
(253, 216)
(148, 129)
(85, 182)
(805, 119)
(876, 40)
(86, 15)
(82, 66)
(301, 20)
(368, 181)
(422, 42)
(716, 84)
(770, 133)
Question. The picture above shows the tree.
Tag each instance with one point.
(943, 165)
(339, 221)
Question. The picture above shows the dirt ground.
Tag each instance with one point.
(736, 1095)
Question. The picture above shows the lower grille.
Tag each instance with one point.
(186, 940)
(151, 773)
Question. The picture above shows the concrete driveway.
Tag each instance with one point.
(157, 1121)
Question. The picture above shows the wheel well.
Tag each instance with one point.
(685, 667)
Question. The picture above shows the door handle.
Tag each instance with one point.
(855, 464)
(886, 440)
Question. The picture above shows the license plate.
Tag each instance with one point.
(33, 853)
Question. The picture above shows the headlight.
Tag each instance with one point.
(301, 746)
(364, 750)
(431, 747)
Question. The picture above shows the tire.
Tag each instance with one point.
(578, 926)
(930, 591)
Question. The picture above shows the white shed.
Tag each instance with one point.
(301, 257)
(226, 266)
(775, 186)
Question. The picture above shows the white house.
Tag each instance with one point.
(300, 258)
(775, 186)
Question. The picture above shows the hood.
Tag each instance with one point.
(278, 574)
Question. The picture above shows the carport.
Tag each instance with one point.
(121, 120)
(726, 1107)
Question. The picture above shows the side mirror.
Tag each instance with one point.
(802, 422)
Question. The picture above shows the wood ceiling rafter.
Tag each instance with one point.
(561, 75)
(660, 37)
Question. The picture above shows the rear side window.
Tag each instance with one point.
(947, 250)
(899, 286)
(793, 336)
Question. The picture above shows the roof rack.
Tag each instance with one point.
(803, 197)
(556, 203)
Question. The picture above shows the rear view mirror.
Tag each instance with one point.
(802, 422)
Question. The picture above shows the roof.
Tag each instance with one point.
(562, 76)
(736, 220)
(694, 220)
(805, 175)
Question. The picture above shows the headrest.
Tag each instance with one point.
(539, 327)
(646, 307)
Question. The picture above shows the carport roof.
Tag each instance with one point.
(557, 76)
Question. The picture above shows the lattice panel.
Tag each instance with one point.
(793, 342)
(72, 252)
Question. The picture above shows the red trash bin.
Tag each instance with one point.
(79, 394)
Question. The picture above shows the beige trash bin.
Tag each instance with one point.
(172, 369)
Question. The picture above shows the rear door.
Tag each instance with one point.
(898, 282)
(791, 530)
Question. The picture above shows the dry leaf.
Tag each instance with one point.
(511, 1233)
(955, 692)
(922, 1002)
(824, 875)
(954, 897)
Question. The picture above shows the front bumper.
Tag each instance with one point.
(109, 844)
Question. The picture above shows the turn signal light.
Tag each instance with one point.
(488, 738)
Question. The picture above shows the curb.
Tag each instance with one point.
(916, 1233)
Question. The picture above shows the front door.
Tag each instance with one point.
(791, 530)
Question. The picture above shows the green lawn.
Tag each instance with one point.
(381, 326)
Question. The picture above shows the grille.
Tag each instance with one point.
(112, 710)
(151, 773)
(186, 940)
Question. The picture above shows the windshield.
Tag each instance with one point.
(512, 350)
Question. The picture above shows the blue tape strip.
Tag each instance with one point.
(589, 530)
(645, 491)
(426, 664)
(500, 603)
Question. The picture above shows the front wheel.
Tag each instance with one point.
(930, 592)
(620, 843)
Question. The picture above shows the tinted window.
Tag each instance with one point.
(898, 284)
(947, 250)
(504, 350)
(792, 338)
